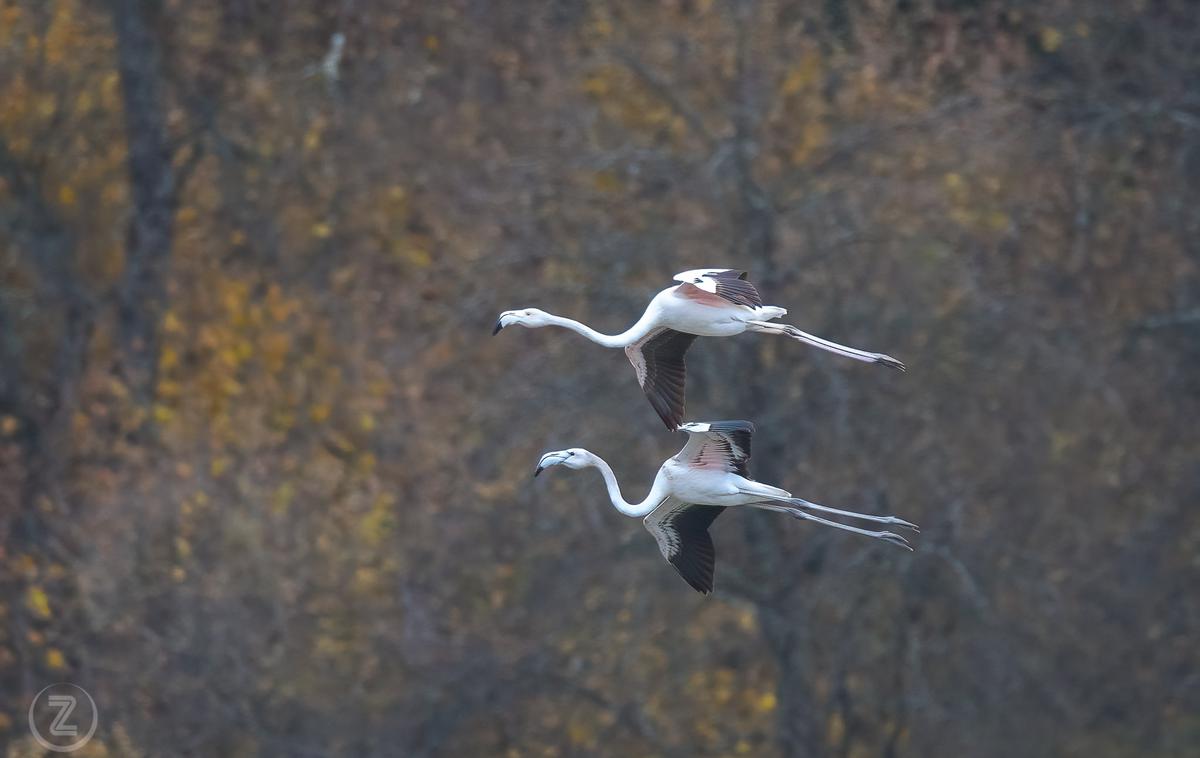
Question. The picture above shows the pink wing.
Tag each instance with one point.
(728, 284)
(695, 294)
(720, 445)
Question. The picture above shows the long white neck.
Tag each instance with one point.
(614, 492)
(624, 339)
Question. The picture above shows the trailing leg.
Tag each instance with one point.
(787, 330)
(806, 505)
(891, 537)
(774, 494)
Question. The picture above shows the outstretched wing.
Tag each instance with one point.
(658, 360)
(726, 283)
(681, 530)
(721, 445)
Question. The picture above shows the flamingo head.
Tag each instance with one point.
(575, 457)
(531, 318)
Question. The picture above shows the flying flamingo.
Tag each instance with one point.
(709, 474)
(713, 302)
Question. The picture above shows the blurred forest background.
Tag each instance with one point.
(265, 478)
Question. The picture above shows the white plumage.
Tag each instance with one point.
(714, 302)
(693, 487)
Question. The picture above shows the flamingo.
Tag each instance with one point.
(711, 473)
(712, 302)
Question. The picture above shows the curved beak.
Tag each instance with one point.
(548, 460)
(498, 327)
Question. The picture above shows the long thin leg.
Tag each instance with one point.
(801, 503)
(797, 502)
(788, 330)
(891, 537)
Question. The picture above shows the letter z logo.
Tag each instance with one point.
(65, 704)
(63, 717)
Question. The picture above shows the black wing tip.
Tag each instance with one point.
(733, 425)
(891, 362)
(726, 273)
(670, 417)
(696, 561)
(695, 578)
(733, 287)
(497, 328)
(733, 422)
(702, 584)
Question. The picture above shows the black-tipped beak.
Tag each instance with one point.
(538, 470)
(498, 327)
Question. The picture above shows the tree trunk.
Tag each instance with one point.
(152, 185)
(754, 224)
(41, 399)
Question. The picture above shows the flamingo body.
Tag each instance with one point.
(706, 303)
(706, 315)
(691, 489)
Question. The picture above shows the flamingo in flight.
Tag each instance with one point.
(711, 473)
(712, 302)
